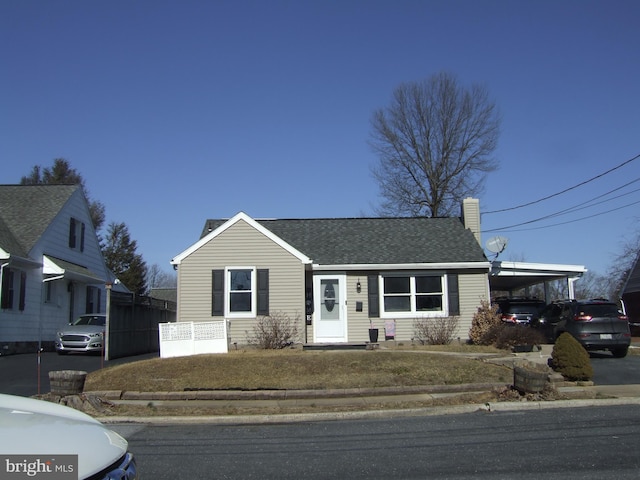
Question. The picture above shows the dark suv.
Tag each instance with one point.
(597, 324)
(520, 310)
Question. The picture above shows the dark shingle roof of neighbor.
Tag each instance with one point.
(167, 294)
(26, 211)
(361, 241)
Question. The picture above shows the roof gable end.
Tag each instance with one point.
(241, 216)
(27, 211)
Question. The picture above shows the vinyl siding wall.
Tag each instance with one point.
(55, 243)
(240, 245)
(473, 286)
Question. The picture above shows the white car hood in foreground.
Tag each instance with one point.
(35, 427)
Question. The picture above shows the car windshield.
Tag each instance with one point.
(90, 320)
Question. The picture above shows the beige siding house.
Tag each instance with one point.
(336, 277)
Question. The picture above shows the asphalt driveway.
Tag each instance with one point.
(615, 371)
(27, 374)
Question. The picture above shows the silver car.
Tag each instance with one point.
(85, 334)
(45, 438)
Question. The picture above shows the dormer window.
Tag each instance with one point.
(76, 234)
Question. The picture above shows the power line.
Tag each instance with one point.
(565, 190)
(576, 208)
(504, 229)
(593, 203)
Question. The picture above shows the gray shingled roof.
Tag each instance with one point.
(26, 211)
(361, 241)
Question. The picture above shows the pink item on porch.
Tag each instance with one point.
(389, 329)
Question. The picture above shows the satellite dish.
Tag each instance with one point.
(497, 244)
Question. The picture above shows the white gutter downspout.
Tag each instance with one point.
(570, 282)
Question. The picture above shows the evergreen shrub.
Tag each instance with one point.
(571, 359)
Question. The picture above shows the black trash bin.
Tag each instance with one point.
(373, 335)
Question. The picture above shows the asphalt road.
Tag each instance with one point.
(571, 443)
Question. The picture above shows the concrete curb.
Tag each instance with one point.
(486, 408)
(258, 395)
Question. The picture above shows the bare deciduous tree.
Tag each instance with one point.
(435, 144)
(623, 262)
(158, 278)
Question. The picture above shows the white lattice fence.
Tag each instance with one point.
(193, 338)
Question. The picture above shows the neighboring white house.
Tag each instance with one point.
(51, 265)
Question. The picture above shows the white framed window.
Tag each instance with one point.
(412, 295)
(240, 291)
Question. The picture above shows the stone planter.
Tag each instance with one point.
(67, 382)
(529, 381)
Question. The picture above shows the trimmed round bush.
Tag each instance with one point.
(571, 359)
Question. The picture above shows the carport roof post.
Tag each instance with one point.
(105, 341)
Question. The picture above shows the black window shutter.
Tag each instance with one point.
(88, 300)
(7, 289)
(453, 293)
(82, 237)
(23, 290)
(373, 295)
(72, 233)
(263, 291)
(217, 293)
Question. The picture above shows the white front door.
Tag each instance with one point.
(330, 312)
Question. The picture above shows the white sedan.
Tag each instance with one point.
(38, 437)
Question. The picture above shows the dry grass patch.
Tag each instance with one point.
(294, 369)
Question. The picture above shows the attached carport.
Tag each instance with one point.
(513, 276)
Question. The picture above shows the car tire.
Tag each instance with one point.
(620, 352)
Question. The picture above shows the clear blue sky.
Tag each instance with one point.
(179, 111)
